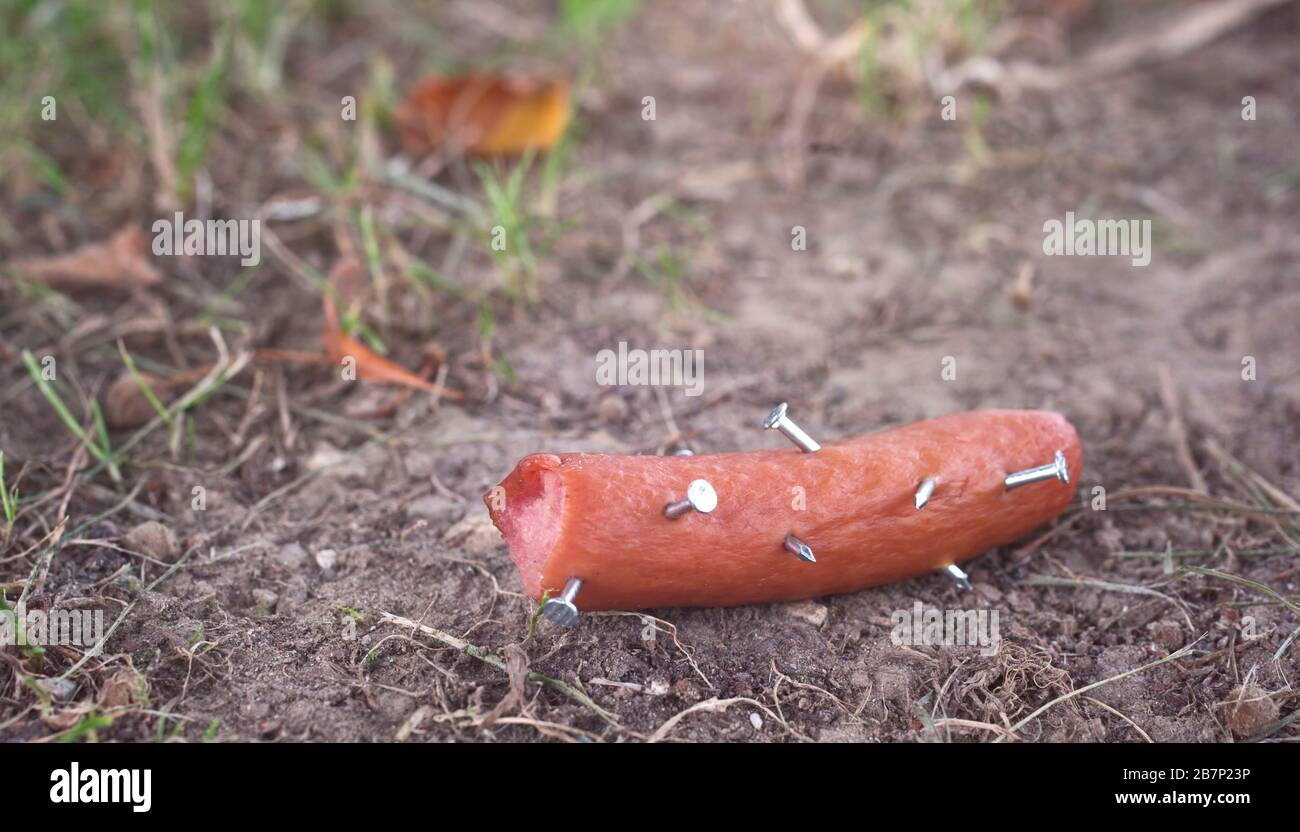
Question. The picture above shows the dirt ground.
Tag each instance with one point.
(321, 515)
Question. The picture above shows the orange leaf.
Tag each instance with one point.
(484, 115)
(122, 262)
(370, 365)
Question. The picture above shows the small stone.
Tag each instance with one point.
(155, 540)
(612, 410)
(475, 534)
(810, 611)
(266, 598)
(126, 405)
(327, 560)
(756, 720)
(657, 687)
(124, 688)
(1168, 634)
(337, 463)
(58, 688)
(435, 508)
(290, 555)
(1249, 709)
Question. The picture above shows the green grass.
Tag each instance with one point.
(8, 497)
(201, 115)
(65, 50)
(960, 27)
(666, 271)
(508, 221)
(537, 615)
(144, 386)
(87, 727)
(95, 58)
(593, 21)
(98, 446)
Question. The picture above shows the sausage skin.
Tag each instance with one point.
(600, 517)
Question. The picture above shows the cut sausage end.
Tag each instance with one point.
(530, 516)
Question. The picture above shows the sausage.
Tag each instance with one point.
(600, 517)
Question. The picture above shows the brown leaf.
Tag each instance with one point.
(123, 689)
(125, 403)
(483, 115)
(122, 262)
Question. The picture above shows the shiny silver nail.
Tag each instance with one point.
(958, 576)
(700, 496)
(924, 491)
(799, 549)
(561, 610)
(1059, 469)
(779, 420)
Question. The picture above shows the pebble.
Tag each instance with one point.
(1249, 709)
(290, 555)
(327, 560)
(266, 598)
(435, 508)
(1168, 634)
(612, 410)
(58, 688)
(475, 534)
(155, 540)
(810, 611)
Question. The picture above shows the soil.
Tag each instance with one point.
(272, 626)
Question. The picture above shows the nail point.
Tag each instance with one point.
(924, 491)
(958, 576)
(799, 549)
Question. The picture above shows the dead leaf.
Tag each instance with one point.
(155, 540)
(125, 688)
(483, 115)
(370, 366)
(122, 262)
(125, 403)
(517, 671)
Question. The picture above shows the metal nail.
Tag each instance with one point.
(799, 549)
(561, 610)
(779, 420)
(958, 576)
(1059, 469)
(699, 496)
(924, 491)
